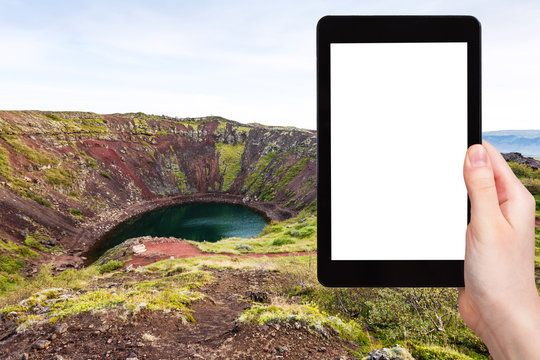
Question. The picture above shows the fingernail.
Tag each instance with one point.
(478, 156)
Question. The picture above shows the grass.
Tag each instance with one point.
(17, 250)
(37, 157)
(170, 286)
(292, 235)
(306, 313)
(392, 315)
(58, 176)
(40, 200)
(110, 266)
(37, 238)
(434, 352)
(292, 172)
(5, 165)
(283, 241)
(76, 212)
(10, 265)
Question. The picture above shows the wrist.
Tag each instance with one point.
(516, 328)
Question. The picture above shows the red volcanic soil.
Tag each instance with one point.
(164, 249)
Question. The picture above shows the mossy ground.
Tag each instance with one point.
(163, 287)
(371, 317)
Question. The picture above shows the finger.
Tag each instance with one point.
(508, 185)
(480, 182)
(510, 192)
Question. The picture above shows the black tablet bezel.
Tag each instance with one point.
(373, 29)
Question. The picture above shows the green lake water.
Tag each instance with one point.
(199, 222)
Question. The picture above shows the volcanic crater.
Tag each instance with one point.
(68, 178)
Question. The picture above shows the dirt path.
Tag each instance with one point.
(160, 250)
(153, 335)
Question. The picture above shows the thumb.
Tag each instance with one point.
(480, 182)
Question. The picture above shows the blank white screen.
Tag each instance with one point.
(398, 140)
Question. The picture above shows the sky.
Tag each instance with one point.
(250, 61)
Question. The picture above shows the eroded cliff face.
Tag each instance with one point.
(60, 171)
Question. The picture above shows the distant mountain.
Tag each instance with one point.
(526, 142)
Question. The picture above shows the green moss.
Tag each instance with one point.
(10, 265)
(37, 238)
(282, 241)
(91, 162)
(255, 180)
(75, 212)
(230, 162)
(307, 231)
(105, 174)
(173, 292)
(291, 173)
(434, 352)
(308, 313)
(5, 165)
(307, 185)
(39, 158)
(9, 282)
(54, 117)
(267, 194)
(110, 266)
(17, 250)
(60, 177)
(149, 149)
(181, 180)
(39, 200)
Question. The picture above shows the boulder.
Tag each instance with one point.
(395, 353)
(41, 344)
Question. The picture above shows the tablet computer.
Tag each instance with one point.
(398, 103)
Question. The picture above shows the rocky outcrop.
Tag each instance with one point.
(64, 175)
(520, 159)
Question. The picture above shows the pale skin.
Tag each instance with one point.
(500, 302)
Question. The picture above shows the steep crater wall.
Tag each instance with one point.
(71, 176)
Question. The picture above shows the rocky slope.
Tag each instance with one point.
(66, 178)
(520, 159)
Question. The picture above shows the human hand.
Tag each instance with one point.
(500, 302)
